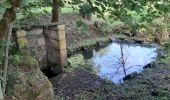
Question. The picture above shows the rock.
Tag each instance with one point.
(130, 76)
(22, 43)
(27, 82)
(112, 39)
(22, 40)
(151, 65)
(130, 41)
(21, 33)
(84, 49)
(100, 43)
(127, 33)
(162, 55)
(157, 38)
(140, 41)
(155, 93)
(121, 38)
(88, 54)
(41, 41)
(36, 31)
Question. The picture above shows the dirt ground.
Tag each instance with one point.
(151, 84)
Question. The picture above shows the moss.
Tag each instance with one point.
(166, 48)
(22, 43)
(28, 86)
(29, 61)
(11, 79)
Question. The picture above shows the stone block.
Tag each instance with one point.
(42, 48)
(58, 57)
(54, 28)
(22, 43)
(61, 35)
(63, 57)
(57, 44)
(34, 52)
(41, 41)
(56, 35)
(151, 65)
(61, 27)
(130, 76)
(21, 33)
(51, 34)
(52, 58)
(37, 31)
(62, 44)
(32, 42)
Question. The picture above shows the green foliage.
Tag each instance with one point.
(136, 13)
(85, 9)
(15, 58)
(85, 28)
(82, 25)
(22, 59)
(133, 13)
(11, 78)
(79, 23)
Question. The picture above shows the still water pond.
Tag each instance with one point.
(117, 60)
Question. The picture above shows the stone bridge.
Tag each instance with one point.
(47, 43)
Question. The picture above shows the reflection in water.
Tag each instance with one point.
(122, 59)
(117, 60)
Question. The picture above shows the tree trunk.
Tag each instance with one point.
(6, 21)
(5, 28)
(5, 70)
(8, 18)
(55, 11)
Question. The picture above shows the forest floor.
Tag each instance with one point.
(81, 84)
(98, 30)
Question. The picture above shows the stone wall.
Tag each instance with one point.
(56, 47)
(33, 41)
(47, 44)
(37, 46)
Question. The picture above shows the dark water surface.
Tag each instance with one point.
(117, 60)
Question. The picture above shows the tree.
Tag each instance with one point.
(5, 30)
(56, 10)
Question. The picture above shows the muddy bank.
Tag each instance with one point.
(81, 84)
(152, 83)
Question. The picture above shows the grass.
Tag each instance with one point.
(48, 10)
(167, 48)
(68, 10)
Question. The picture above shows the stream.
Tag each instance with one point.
(116, 60)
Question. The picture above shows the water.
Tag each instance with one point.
(117, 60)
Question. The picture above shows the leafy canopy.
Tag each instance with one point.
(128, 11)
